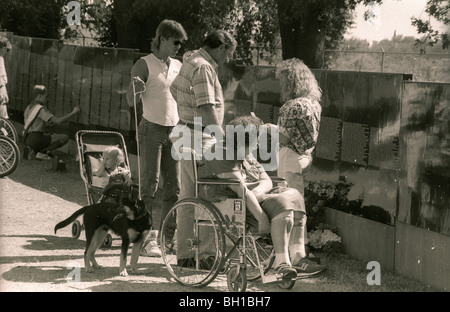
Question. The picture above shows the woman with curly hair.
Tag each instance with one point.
(299, 122)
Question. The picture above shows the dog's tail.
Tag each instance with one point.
(70, 219)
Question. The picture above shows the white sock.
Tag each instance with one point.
(281, 258)
(297, 257)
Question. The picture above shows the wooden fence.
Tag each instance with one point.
(96, 79)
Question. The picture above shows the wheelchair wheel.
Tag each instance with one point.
(193, 242)
(261, 249)
(7, 129)
(76, 229)
(9, 156)
(237, 279)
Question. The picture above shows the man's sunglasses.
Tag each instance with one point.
(178, 42)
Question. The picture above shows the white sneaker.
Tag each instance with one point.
(151, 249)
(41, 156)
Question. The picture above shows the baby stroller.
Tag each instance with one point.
(90, 145)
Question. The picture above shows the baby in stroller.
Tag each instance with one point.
(114, 174)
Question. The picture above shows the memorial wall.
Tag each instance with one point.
(424, 182)
(370, 160)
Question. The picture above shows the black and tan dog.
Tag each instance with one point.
(129, 220)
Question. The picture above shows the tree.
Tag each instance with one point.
(136, 21)
(97, 20)
(250, 22)
(440, 10)
(32, 18)
(307, 27)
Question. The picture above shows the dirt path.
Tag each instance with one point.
(33, 199)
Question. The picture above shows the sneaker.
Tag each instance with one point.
(40, 156)
(151, 249)
(306, 267)
(285, 271)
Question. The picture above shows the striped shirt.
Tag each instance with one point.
(197, 84)
(300, 120)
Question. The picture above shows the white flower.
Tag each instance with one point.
(318, 238)
(329, 236)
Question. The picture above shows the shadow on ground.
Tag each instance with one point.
(49, 242)
(151, 278)
(39, 175)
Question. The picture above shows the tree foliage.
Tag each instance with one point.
(250, 22)
(32, 18)
(299, 28)
(440, 10)
(308, 27)
(97, 20)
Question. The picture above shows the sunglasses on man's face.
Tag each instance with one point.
(178, 42)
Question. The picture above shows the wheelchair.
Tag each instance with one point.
(216, 240)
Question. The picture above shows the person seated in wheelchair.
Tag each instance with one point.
(115, 175)
(272, 207)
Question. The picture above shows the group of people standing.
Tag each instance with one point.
(189, 95)
(176, 94)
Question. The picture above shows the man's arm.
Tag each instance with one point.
(63, 119)
(252, 202)
(139, 70)
(209, 116)
(203, 85)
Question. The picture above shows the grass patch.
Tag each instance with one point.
(344, 274)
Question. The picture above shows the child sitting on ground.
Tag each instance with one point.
(113, 171)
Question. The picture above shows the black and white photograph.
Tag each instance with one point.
(209, 148)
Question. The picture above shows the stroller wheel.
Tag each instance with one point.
(237, 279)
(108, 241)
(76, 229)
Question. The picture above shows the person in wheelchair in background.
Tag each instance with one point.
(272, 207)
